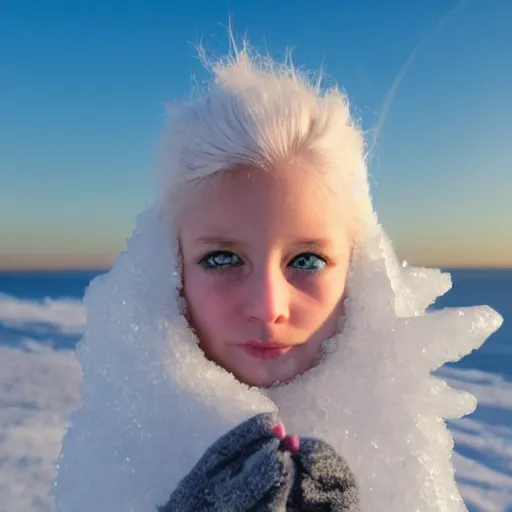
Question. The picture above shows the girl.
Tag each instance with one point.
(259, 295)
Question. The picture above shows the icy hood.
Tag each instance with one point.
(152, 403)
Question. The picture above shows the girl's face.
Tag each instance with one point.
(265, 261)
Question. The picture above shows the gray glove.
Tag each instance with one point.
(254, 468)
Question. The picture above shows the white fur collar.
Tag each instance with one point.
(152, 403)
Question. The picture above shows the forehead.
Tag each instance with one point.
(247, 204)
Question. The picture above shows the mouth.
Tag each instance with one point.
(264, 351)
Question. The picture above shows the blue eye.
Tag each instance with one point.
(220, 259)
(308, 262)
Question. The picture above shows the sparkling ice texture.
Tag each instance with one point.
(152, 403)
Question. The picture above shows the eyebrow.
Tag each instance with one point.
(215, 240)
(229, 242)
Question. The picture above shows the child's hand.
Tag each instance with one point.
(256, 467)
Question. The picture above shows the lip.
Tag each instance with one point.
(264, 351)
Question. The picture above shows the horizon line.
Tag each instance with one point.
(100, 269)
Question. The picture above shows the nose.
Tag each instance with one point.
(267, 298)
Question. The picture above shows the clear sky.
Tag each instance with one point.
(83, 87)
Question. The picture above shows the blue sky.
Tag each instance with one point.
(84, 84)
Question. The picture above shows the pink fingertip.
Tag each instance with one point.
(279, 431)
(293, 443)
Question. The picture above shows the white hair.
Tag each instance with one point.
(257, 113)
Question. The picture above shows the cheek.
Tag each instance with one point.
(324, 298)
(208, 308)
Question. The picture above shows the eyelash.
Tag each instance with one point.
(216, 268)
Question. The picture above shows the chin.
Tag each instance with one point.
(254, 381)
(264, 379)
